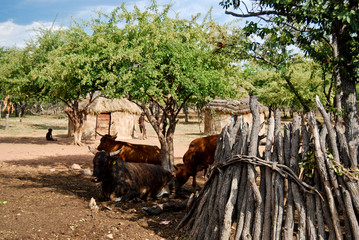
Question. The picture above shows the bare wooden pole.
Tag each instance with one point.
(267, 219)
(277, 181)
(324, 175)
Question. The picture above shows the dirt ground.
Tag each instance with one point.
(43, 197)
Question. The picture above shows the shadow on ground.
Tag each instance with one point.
(61, 140)
(70, 182)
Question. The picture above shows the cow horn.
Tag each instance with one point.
(99, 134)
(114, 136)
(94, 151)
(115, 152)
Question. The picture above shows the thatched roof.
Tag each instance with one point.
(105, 105)
(232, 106)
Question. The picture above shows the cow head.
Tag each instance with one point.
(101, 163)
(107, 142)
(182, 176)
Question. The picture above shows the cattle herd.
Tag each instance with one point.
(128, 171)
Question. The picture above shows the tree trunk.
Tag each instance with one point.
(169, 139)
(77, 133)
(22, 110)
(167, 149)
(165, 132)
(165, 154)
(185, 110)
(7, 120)
(77, 117)
(346, 95)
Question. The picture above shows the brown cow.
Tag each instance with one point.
(131, 152)
(126, 180)
(199, 156)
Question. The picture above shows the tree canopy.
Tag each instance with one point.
(72, 66)
(272, 90)
(145, 55)
(167, 62)
(327, 31)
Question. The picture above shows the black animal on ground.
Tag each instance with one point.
(127, 180)
(49, 135)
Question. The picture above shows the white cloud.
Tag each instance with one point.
(14, 35)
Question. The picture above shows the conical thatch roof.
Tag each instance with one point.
(105, 105)
(233, 106)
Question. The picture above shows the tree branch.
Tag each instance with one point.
(253, 14)
(286, 78)
(183, 103)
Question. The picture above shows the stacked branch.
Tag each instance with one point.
(248, 197)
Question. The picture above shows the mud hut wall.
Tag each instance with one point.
(215, 121)
(89, 127)
(125, 125)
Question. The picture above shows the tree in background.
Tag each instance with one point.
(165, 61)
(15, 81)
(272, 90)
(333, 25)
(72, 67)
(267, 52)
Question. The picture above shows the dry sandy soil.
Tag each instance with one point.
(42, 197)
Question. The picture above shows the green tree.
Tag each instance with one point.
(15, 82)
(72, 68)
(272, 90)
(269, 52)
(307, 24)
(168, 62)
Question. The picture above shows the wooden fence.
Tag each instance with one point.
(303, 187)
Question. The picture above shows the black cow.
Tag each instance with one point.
(126, 180)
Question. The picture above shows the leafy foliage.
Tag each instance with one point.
(158, 58)
(73, 67)
(323, 30)
(272, 90)
(15, 81)
(166, 62)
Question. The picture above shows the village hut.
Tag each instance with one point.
(110, 116)
(218, 113)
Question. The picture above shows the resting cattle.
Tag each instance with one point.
(126, 180)
(199, 156)
(131, 152)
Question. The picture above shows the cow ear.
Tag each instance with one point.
(113, 137)
(176, 167)
(115, 152)
(92, 150)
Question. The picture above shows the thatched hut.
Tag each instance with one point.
(110, 116)
(219, 113)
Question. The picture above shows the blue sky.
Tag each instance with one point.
(18, 18)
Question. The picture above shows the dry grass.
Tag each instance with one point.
(34, 125)
(38, 125)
